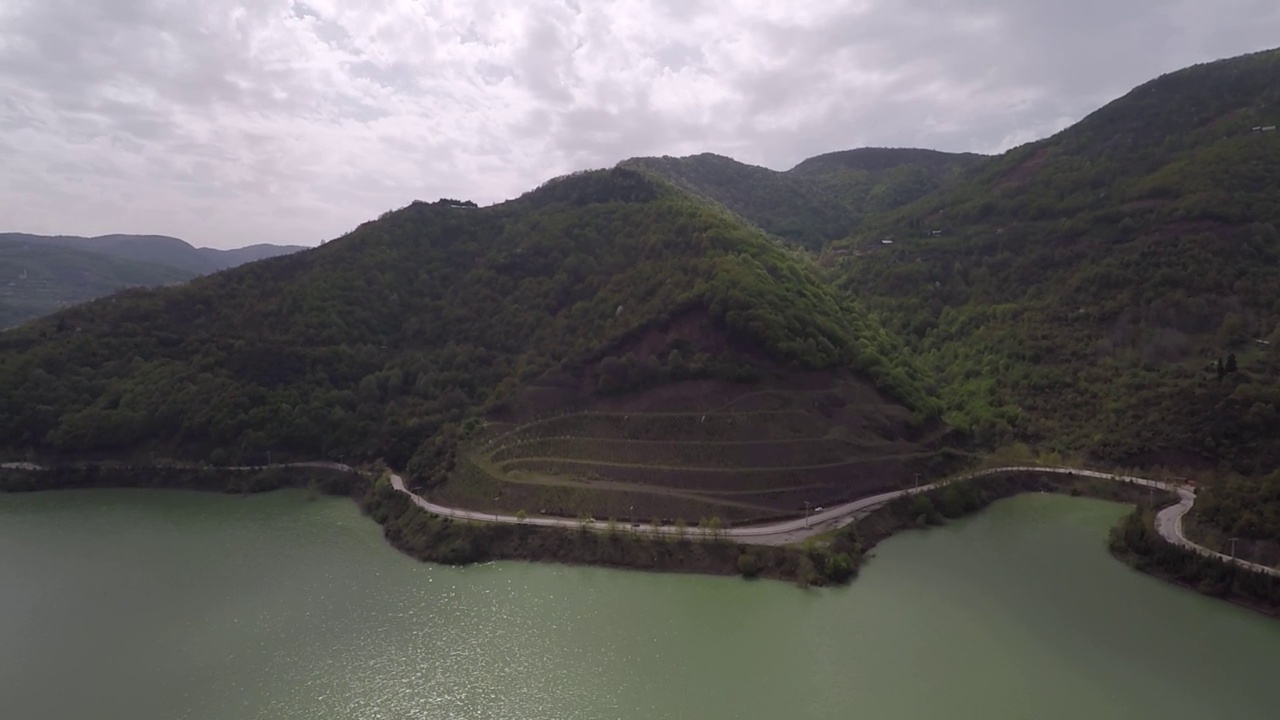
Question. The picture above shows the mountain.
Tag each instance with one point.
(1080, 293)
(39, 274)
(823, 198)
(607, 305)
(37, 279)
(161, 250)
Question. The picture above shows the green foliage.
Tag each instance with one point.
(40, 274)
(1082, 286)
(1242, 507)
(390, 341)
(37, 279)
(823, 198)
(1137, 541)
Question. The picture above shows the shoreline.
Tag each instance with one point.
(834, 558)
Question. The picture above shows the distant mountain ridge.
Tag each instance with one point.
(161, 250)
(39, 273)
(821, 199)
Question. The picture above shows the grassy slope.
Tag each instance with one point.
(732, 452)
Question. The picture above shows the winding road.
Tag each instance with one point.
(1168, 521)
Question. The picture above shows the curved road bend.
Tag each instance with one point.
(1168, 521)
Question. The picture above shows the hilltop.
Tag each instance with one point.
(440, 327)
(1111, 290)
(39, 274)
(823, 198)
(1100, 274)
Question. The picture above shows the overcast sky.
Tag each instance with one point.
(291, 122)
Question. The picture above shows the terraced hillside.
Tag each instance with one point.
(699, 450)
(398, 341)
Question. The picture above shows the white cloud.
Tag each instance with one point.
(293, 121)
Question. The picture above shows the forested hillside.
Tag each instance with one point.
(383, 343)
(37, 279)
(41, 273)
(823, 198)
(626, 339)
(1082, 292)
(158, 250)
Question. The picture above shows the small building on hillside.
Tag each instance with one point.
(1268, 128)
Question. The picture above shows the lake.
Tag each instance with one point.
(135, 605)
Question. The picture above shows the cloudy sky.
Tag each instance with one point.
(291, 122)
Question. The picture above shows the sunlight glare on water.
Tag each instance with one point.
(181, 605)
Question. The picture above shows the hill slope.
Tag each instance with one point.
(39, 274)
(399, 339)
(1080, 291)
(160, 250)
(823, 198)
(37, 279)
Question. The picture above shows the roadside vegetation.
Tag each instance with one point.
(698, 549)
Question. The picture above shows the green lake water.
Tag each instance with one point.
(139, 605)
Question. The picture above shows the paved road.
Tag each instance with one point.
(1168, 521)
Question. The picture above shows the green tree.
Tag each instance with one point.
(715, 527)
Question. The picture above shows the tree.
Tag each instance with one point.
(1222, 371)
(748, 565)
(839, 567)
(714, 525)
(1231, 363)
